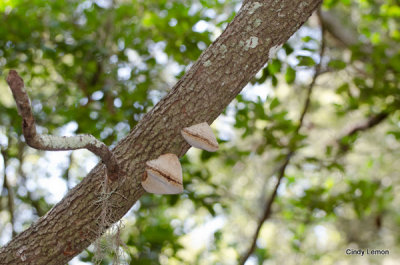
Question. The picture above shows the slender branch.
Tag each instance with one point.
(367, 124)
(336, 28)
(316, 74)
(348, 38)
(36, 204)
(56, 143)
(10, 193)
(10, 203)
(344, 34)
(66, 173)
(267, 210)
(292, 150)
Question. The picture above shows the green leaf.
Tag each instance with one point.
(307, 39)
(330, 3)
(274, 103)
(346, 2)
(288, 49)
(305, 60)
(274, 81)
(274, 66)
(344, 88)
(290, 75)
(337, 64)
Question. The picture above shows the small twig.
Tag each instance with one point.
(290, 154)
(56, 143)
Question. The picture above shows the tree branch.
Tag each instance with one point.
(66, 173)
(338, 30)
(267, 210)
(367, 124)
(40, 210)
(282, 169)
(346, 35)
(10, 193)
(51, 142)
(202, 94)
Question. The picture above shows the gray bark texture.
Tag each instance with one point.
(201, 95)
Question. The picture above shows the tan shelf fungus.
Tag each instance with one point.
(163, 175)
(200, 136)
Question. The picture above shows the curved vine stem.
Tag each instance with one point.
(56, 143)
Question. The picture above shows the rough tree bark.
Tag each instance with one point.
(220, 73)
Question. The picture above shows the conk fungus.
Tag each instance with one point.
(200, 136)
(163, 175)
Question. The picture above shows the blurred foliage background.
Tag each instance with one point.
(330, 177)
